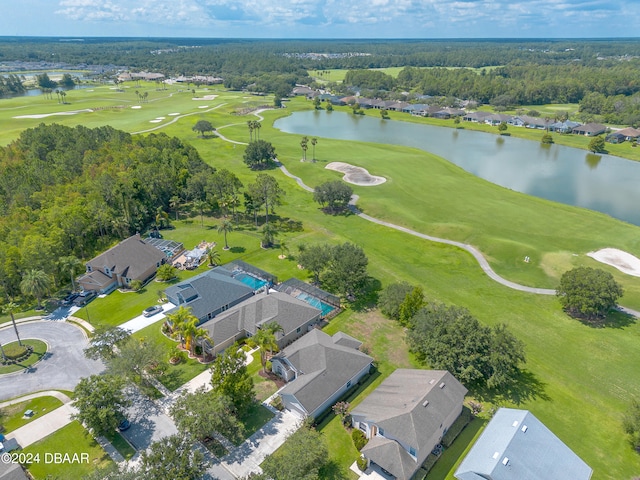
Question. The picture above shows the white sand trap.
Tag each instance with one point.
(356, 175)
(173, 114)
(623, 261)
(160, 118)
(44, 115)
(203, 106)
(205, 97)
(92, 90)
(155, 121)
(136, 107)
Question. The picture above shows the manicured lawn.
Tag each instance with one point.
(175, 375)
(12, 417)
(263, 387)
(452, 456)
(72, 439)
(255, 418)
(120, 444)
(39, 349)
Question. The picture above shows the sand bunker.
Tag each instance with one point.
(206, 97)
(356, 175)
(44, 115)
(136, 106)
(623, 261)
(173, 114)
(203, 106)
(155, 121)
(160, 118)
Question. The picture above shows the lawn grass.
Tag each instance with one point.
(12, 416)
(452, 456)
(579, 379)
(71, 439)
(39, 349)
(121, 445)
(263, 387)
(255, 418)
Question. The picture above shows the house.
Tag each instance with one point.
(563, 127)
(615, 137)
(630, 133)
(531, 122)
(296, 318)
(417, 109)
(589, 130)
(476, 117)
(516, 445)
(399, 106)
(209, 293)
(131, 259)
(498, 118)
(319, 369)
(406, 417)
(302, 90)
(12, 471)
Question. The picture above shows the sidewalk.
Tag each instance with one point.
(43, 426)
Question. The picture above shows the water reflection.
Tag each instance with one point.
(593, 160)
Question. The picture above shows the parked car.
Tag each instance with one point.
(124, 425)
(151, 311)
(68, 300)
(85, 297)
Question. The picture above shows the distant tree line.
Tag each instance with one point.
(10, 85)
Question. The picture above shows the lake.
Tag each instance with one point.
(604, 183)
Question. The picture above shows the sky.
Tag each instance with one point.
(322, 18)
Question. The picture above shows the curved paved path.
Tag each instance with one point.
(62, 366)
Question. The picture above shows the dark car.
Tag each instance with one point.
(151, 311)
(69, 299)
(85, 297)
(124, 425)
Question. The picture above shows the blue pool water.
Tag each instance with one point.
(314, 302)
(253, 282)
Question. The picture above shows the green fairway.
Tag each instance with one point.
(579, 380)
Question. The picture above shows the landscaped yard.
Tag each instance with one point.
(12, 416)
(255, 418)
(72, 439)
(120, 444)
(39, 349)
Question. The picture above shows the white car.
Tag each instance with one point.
(151, 311)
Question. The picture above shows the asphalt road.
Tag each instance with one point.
(62, 366)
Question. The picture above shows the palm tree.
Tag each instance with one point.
(178, 320)
(174, 203)
(257, 126)
(189, 331)
(304, 143)
(161, 217)
(265, 339)
(70, 264)
(213, 256)
(10, 308)
(250, 125)
(35, 283)
(199, 205)
(314, 141)
(225, 227)
(200, 336)
(268, 234)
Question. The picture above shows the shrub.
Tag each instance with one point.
(135, 285)
(277, 403)
(362, 463)
(359, 440)
(457, 427)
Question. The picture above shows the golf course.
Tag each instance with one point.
(579, 378)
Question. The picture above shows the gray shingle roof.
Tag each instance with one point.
(208, 292)
(323, 368)
(130, 258)
(507, 450)
(397, 404)
(391, 456)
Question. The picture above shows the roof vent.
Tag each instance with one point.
(496, 455)
(442, 385)
(514, 424)
(426, 402)
(524, 429)
(432, 381)
(505, 461)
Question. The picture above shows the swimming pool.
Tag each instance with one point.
(251, 281)
(314, 302)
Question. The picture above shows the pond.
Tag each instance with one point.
(604, 183)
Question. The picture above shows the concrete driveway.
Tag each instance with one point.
(62, 366)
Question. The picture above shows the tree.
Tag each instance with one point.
(135, 285)
(202, 127)
(177, 321)
(315, 258)
(162, 218)
(588, 292)
(304, 144)
(200, 205)
(10, 308)
(174, 203)
(265, 340)
(259, 154)
(105, 341)
(71, 265)
(100, 402)
(392, 297)
(329, 106)
(502, 127)
(314, 142)
(346, 271)
(266, 191)
(174, 457)
(384, 114)
(213, 256)
(35, 283)
(166, 272)
(229, 377)
(411, 304)
(203, 413)
(631, 423)
(335, 195)
(450, 338)
(596, 145)
(225, 227)
(547, 139)
(316, 102)
(137, 357)
(269, 233)
(300, 458)
(341, 409)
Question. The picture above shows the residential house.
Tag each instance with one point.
(302, 90)
(406, 417)
(630, 133)
(589, 129)
(208, 293)
(615, 137)
(294, 316)
(531, 122)
(515, 445)
(319, 369)
(563, 127)
(131, 259)
(417, 109)
(399, 106)
(448, 112)
(498, 118)
(476, 117)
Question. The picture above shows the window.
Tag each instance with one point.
(412, 451)
(348, 383)
(381, 432)
(298, 330)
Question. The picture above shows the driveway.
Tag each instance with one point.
(60, 369)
